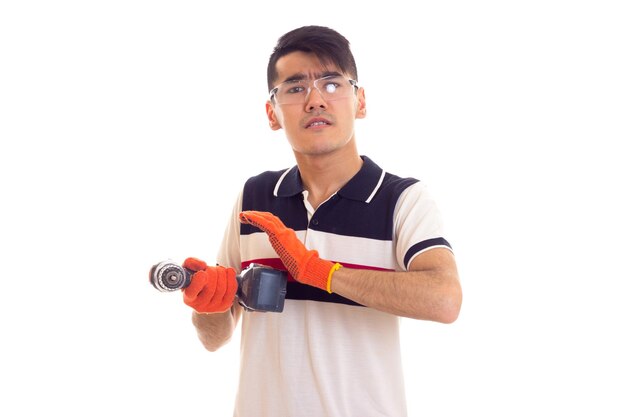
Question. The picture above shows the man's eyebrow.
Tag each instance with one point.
(330, 74)
(296, 77)
(301, 76)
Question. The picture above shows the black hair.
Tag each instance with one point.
(327, 44)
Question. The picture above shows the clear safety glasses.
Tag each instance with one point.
(332, 87)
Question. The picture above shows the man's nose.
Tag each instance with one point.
(314, 99)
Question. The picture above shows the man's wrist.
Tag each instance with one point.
(318, 272)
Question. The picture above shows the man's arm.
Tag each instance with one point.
(215, 329)
(429, 290)
(211, 294)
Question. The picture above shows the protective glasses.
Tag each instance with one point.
(331, 87)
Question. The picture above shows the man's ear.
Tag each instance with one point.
(272, 116)
(360, 104)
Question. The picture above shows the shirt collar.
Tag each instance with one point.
(362, 187)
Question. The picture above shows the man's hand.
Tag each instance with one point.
(212, 288)
(303, 264)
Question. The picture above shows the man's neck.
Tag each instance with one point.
(324, 175)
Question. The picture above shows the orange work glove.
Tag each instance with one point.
(212, 288)
(303, 264)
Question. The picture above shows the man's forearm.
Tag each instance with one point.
(215, 329)
(432, 293)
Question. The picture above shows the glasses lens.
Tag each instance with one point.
(296, 92)
(291, 92)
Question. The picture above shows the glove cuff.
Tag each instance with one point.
(318, 272)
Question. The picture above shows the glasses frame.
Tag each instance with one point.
(273, 91)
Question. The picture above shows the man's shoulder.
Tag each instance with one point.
(266, 177)
(388, 181)
(393, 185)
(260, 192)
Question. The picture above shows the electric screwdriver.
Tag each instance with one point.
(259, 288)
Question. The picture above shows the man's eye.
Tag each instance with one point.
(295, 89)
(331, 87)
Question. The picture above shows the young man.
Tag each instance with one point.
(362, 247)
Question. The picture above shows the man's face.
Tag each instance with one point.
(318, 126)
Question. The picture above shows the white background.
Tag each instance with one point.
(127, 128)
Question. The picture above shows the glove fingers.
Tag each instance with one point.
(221, 285)
(194, 264)
(251, 217)
(195, 286)
(226, 289)
(231, 291)
(263, 220)
(270, 224)
(211, 290)
(200, 291)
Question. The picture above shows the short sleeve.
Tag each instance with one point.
(418, 225)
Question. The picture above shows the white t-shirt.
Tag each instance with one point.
(329, 359)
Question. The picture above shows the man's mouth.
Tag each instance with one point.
(317, 122)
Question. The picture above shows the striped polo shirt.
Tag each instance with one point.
(326, 355)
